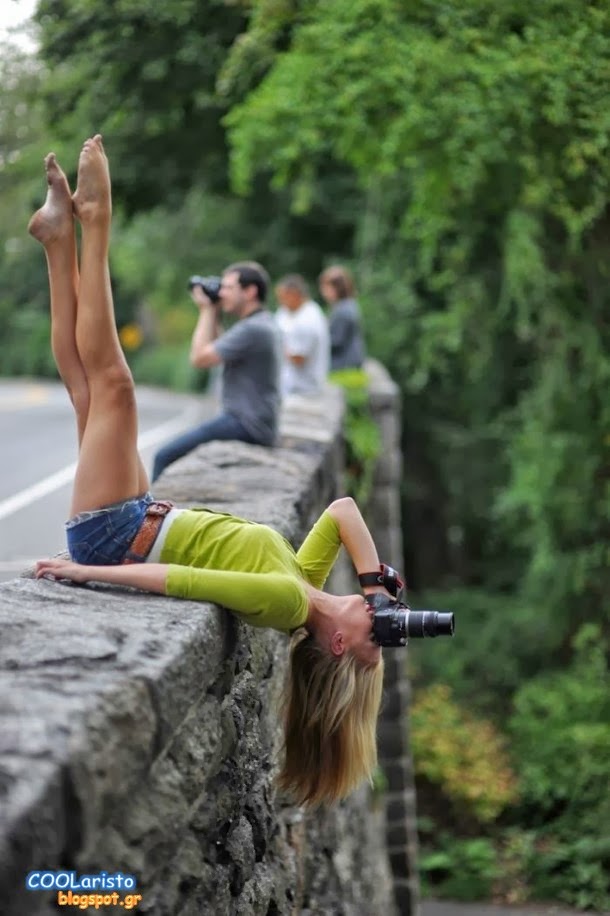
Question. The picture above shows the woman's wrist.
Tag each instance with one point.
(384, 578)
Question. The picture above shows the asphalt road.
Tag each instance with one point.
(38, 453)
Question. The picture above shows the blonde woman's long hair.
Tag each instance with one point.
(330, 721)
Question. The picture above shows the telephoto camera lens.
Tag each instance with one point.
(394, 623)
(429, 623)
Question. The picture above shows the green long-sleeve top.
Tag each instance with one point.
(247, 567)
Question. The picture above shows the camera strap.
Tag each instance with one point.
(385, 576)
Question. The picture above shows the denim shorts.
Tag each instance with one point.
(101, 537)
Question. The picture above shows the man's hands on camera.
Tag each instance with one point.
(200, 299)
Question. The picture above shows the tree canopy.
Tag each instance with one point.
(479, 137)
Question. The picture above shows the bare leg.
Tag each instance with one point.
(109, 467)
(53, 226)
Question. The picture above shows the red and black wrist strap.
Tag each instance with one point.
(385, 576)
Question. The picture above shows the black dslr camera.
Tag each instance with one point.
(210, 286)
(393, 621)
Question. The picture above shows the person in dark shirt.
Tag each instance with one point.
(347, 348)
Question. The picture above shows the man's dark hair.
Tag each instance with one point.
(251, 273)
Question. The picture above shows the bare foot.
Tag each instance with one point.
(92, 200)
(54, 220)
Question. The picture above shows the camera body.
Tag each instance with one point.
(210, 286)
(394, 623)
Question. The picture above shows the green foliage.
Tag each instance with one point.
(157, 82)
(479, 140)
(24, 319)
(168, 367)
(573, 707)
(551, 841)
(379, 784)
(496, 647)
(155, 252)
(462, 755)
(26, 349)
(362, 436)
(144, 75)
(564, 777)
(459, 869)
(572, 869)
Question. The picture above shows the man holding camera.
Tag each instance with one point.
(250, 356)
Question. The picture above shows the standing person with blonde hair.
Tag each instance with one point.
(347, 349)
(119, 534)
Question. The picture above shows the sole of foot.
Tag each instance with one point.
(92, 198)
(54, 220)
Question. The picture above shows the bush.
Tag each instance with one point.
(459, 869)
(561, 736)
(362, 436)
(462, 755)
(167, 366)
(496, 645)
(26, 348)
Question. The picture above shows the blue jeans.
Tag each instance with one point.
(224, 426)
(101, 537)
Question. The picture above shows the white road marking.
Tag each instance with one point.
(49, 484)
(37, 491)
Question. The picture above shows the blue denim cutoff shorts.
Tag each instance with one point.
(101, 537)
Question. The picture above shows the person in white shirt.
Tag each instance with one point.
(305, 337)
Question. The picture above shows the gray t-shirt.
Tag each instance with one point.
(346, 341)
(251, 355)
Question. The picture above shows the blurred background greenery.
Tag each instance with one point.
(456, 156)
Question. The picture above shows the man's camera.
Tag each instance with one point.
(210, 286)
(394, 623)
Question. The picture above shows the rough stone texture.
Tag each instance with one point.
(383, 517)
(140, 733)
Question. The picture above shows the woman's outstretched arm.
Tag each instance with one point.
(150, 577)
(264, 599)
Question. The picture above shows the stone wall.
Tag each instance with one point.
(140, 733)
(383, 516)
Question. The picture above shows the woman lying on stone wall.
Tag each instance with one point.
(118, 534)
